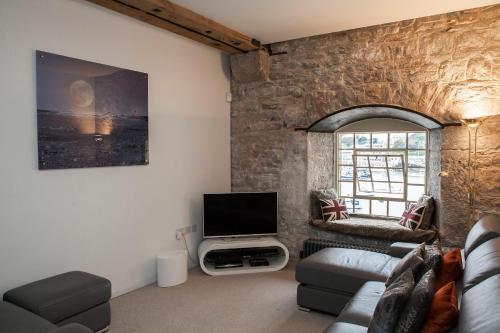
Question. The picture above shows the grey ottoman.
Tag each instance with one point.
(73, 297)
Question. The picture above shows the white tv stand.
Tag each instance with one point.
(276, 262)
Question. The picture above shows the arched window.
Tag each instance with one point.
(381, 165)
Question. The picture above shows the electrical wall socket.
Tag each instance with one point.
(185, 231)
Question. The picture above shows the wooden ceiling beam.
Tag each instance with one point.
(169, 16)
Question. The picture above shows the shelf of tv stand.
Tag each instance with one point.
(276, 262)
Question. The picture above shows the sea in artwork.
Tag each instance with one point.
(90, 115)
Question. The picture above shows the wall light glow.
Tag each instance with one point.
(479, 109)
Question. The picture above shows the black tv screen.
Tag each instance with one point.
(240, 214)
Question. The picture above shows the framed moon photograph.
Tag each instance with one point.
(89, 115)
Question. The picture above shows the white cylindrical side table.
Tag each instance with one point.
(172, 268)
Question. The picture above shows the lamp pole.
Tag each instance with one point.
(472, 126)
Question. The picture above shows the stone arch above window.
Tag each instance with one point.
(380, 125)
(343, 117)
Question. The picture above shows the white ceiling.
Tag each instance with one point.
(279, 20)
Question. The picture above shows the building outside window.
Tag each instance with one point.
(381, 166)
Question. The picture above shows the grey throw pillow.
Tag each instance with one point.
(316, 196)
(433, 257)
(391, 303)
(428, 214)
(415, 311)
(413, 260)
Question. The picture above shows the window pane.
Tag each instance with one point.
(397, 140)
(345, 173)
(346, 157)
(379, 140)
(396, 175)
(362, 206)
(346, 141)
(381, 187)
(396, 208)
(362, 140)
(362, 161)
(365, 188)
(397, 188)
(363, 174)
(414, 192)
(416, 158)
(416, 176)
(416, 140)
(395, 161)
(380, 175)
(379, 207)
(349, 204)
(346, 189)
(377, 161)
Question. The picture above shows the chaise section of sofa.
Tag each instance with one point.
(329, 278)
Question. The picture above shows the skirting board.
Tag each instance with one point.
(142, 285)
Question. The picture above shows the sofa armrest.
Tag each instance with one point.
(72, 328)
(400, 249)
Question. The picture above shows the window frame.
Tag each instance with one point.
(386, 151)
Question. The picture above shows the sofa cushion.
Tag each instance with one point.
(486, 228)
(482, 263)
(316, 196)
(479, 307)
(413, 260)
(61, 296)
(433, 257)
(451, 269)
(412, 216)
(413, 316)
(391, 303)
(443, 314)
(14, 319)
(340, 327)
(344, 269)
(333, 209)
(360, 308)
(400, 249)
(427, 217)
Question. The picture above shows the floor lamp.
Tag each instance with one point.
(473, 126)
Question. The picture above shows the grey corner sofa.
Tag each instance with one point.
(348, 283)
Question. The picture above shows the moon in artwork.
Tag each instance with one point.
(82, 93)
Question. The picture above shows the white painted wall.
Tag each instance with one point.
(108, 221)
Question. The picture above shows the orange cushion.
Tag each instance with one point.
(451, 269)
(443, 313)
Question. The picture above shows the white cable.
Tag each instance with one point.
(187, 248)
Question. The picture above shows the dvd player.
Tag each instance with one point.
(228, 263)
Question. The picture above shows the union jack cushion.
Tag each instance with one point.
(412, 216)
(333, 209)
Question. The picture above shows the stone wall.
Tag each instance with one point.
(439, 65)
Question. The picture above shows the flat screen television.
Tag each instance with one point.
(240, 214)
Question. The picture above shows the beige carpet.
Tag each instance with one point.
(253, 303)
